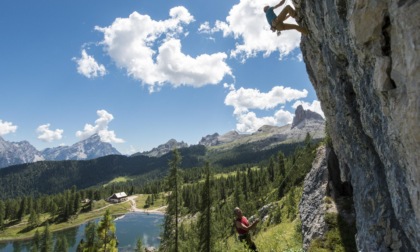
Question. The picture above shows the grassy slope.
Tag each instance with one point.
(280, 237)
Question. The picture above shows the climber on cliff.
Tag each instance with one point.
(277, 22)
(242, 227)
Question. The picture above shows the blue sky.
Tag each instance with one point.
(139, 73)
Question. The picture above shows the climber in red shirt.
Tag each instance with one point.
(243, 227)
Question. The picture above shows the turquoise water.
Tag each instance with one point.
(129, 228)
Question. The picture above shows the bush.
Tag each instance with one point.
(340, 236)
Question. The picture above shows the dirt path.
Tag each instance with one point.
(160, 210)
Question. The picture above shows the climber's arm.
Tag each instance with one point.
(279, 4)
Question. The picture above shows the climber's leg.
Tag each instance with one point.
(283, 14)
(300, 29)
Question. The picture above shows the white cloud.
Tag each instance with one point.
(131, 150)
(87, 66)
(247, 22)
(243, 100)
(6, 128)
(315, 106)
(204, 28)
(47, 135)
(100, 128)
(231, 86)
(283, 117)
(249, 122)
(131, 43)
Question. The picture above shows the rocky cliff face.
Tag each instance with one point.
(311, 207)
(362, 57)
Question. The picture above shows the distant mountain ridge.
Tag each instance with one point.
(227, 150)
(305, 121)
(266, 137)
(89, 148)
(163, 148)
(18, 153)
(13, 153)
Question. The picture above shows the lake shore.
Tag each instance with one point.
(116, 209)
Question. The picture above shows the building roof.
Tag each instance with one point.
(119, 195)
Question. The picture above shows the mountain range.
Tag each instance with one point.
(266, 137)
(305, 121)
(13, 153)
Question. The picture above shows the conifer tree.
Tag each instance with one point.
(237, 194)
(106, 234)
(139, 245)
(308, 140)
(251, 179)
(271, 174)
(22, 208)
(282, 169)
(36, 242)
(131, 191)
(291, 205)
(33, 219)
(53, 209)
(2, 215)
(46, 240)
(61, 244)
(76, 203)
(245, 188)
(170, 238)
(91, 237)
(206, 217)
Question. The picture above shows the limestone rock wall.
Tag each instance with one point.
(363, 59)
(311, 207)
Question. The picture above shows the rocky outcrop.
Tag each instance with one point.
(324, 192)
(362, 57)
(302, 115)
(311, 207)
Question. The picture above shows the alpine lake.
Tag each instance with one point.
(129, 228)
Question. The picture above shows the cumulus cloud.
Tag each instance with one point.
(231, 86)
(47, 135)
(247, 22)
(6, 128)
(100, 128)
(315, 106)
(243, 100)
(87, 66)
(131, 43)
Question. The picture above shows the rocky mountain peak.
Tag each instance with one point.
(210, 140)
(89, 148)
(12, 153)
(302, 115)
(165, 148)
